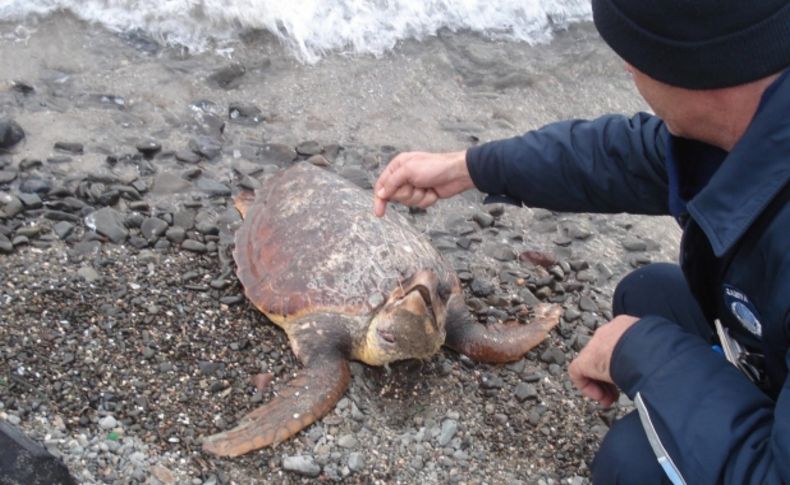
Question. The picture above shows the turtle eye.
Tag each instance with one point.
(443, 290)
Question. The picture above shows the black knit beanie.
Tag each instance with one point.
(698, 44)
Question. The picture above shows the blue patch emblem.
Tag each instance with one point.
(743, 310)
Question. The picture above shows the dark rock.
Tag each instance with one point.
(109, 223)
(587, 304)
(481, 288)
(245, 113)
(206, 146)
(149, 148)
(70, 147)
(63, 229)
(109, 197)
(25, 461)
(141, 186)
(29, 164)
(209, 368)
(6, 246)
(228, 77)
(153, 228)
(59, 160)
(188, 157)
(22, 87)
(10, 133)
(208, 228)
(277, 154)
(170, 183)
(138, 242)
(213, 188)
(35, 185)
(632, 244)
(501, 252)
(20, 241)
(192, 173)
(553, 355)
(31, 201)
(176, 235)
(525, 391)
(184, 219)
(194, 246)
(55, 215)
(483, 219)
(309, 148)
(134, 220)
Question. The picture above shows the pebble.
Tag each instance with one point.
(149, 148)
(175, 234)
(29, 164)
(356, 462)
(108, 423)
(347, 441)
(633, 244)
(213, 188)
(228, 77)
(206, 146)
(194, 246)
(188, 157)
(302, 464)
(501, 252)
(525, 391)
(553, 355)
(35, 185)
(483, 219)
(5, 245)
(70, 147)
(30, 201)
(448, 431)
(278, 154)
(153, 228)
(109, 223)
(587, 276)
(10, 133)
(309, 148)
(88, 274)
(245, 113)
(587, 304)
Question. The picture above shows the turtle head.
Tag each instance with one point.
(410, 324)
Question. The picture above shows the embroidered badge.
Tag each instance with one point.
(743, 310)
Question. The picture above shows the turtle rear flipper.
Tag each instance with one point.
(500, 342)
(322, 343)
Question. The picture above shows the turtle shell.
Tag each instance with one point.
(311, 243)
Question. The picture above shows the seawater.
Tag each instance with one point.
(311, 28)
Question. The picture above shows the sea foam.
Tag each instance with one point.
(313, 27)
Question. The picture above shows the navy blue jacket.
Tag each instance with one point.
(717, 426)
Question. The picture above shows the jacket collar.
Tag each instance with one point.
(750, 176)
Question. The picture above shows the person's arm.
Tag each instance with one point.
(610, 164)
(715, 425)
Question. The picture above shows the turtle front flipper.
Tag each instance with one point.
(500, 342)
(306, 398)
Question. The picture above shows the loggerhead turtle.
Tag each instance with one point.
(344, 284)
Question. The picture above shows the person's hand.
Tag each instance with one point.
(418, 179)
(589, 371)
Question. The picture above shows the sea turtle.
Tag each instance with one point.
(344, 284)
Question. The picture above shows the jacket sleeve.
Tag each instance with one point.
(610, 164)
(716, 426)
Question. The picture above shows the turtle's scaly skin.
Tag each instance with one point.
(345, 284)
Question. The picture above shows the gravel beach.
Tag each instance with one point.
(124, 334)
